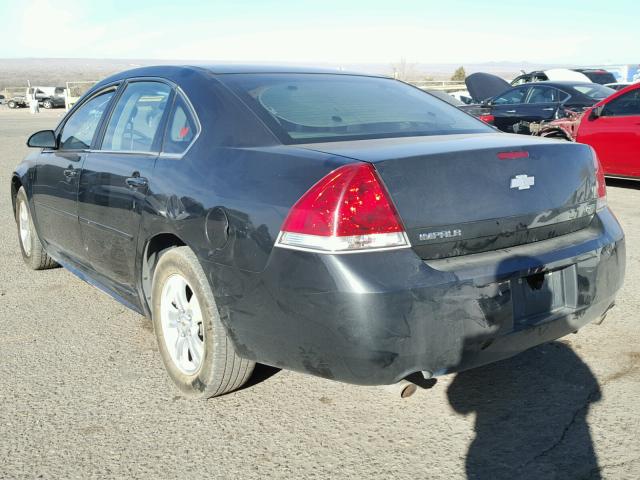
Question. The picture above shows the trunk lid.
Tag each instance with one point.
(456, 196)
(482, 86)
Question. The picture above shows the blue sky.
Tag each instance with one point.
(357, 31)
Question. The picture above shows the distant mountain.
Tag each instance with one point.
(57, 71)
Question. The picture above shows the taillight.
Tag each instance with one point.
(347, 210)
(487, 118)
(600, 182)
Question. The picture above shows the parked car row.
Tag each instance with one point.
(611, 127)
(607, 119)
(514, 108)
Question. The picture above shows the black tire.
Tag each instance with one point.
(48, 104)
(11, 104)
(221, 370)
(33, 253)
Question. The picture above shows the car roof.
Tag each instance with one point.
(231, 68)
(173, 72)
(556, 83)
(273, 68)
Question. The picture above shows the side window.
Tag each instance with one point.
(542, 95)
(181, 128)
(512, 96)
(136, 118)
(80, 128)
(627, 104)
(520, 80)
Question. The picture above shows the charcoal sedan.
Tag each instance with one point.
(347, 226)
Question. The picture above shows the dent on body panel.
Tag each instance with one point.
(251, 189)
(375, 311)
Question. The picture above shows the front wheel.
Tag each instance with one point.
(193, 343)
(11, 104)
(47, 104)
(33, 252)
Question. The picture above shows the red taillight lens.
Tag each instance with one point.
(348, 209)
(600, 182)
(487, 118)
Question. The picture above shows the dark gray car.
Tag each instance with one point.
(347, 226)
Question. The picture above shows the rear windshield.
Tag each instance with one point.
(601, 77)
(302, 108)
(595, 91)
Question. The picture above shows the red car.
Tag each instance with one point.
(611, 127)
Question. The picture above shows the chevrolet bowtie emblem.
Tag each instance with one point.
(523, 182)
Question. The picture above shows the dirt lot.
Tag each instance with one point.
(83, 393)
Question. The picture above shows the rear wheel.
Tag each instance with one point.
(193, 343)
(11, 104)
(33, 252)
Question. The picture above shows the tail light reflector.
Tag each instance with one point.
(347, 210)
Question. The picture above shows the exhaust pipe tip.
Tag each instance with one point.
(402, 389)
(409, 385)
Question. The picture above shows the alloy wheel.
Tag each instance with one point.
(182, 324)
(25, 228)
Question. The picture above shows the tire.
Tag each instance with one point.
(47, 104)
(33, 253)
(11, 104)
(184, 312)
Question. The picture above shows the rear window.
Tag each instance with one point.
(595, 91)
(303, 108)
(599, 76)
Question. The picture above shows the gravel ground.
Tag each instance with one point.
(83, 393)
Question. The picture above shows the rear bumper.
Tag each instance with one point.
(374, 318)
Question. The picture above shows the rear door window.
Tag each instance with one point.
(542, 95)
(80, 128)
(511, 97)
(135, 123)
(181, 128)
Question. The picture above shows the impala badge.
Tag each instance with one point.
(523, 182)
(423, 237)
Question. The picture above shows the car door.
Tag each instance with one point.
(507, 107)
(114, 181)
(57, 171)
(541, 103)
(615, 134)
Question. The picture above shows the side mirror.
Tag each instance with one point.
(596, 112)
(43, 139)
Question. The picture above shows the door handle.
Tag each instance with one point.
(510, 111)
(548, 109)
(136, 182)
(70, 173)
